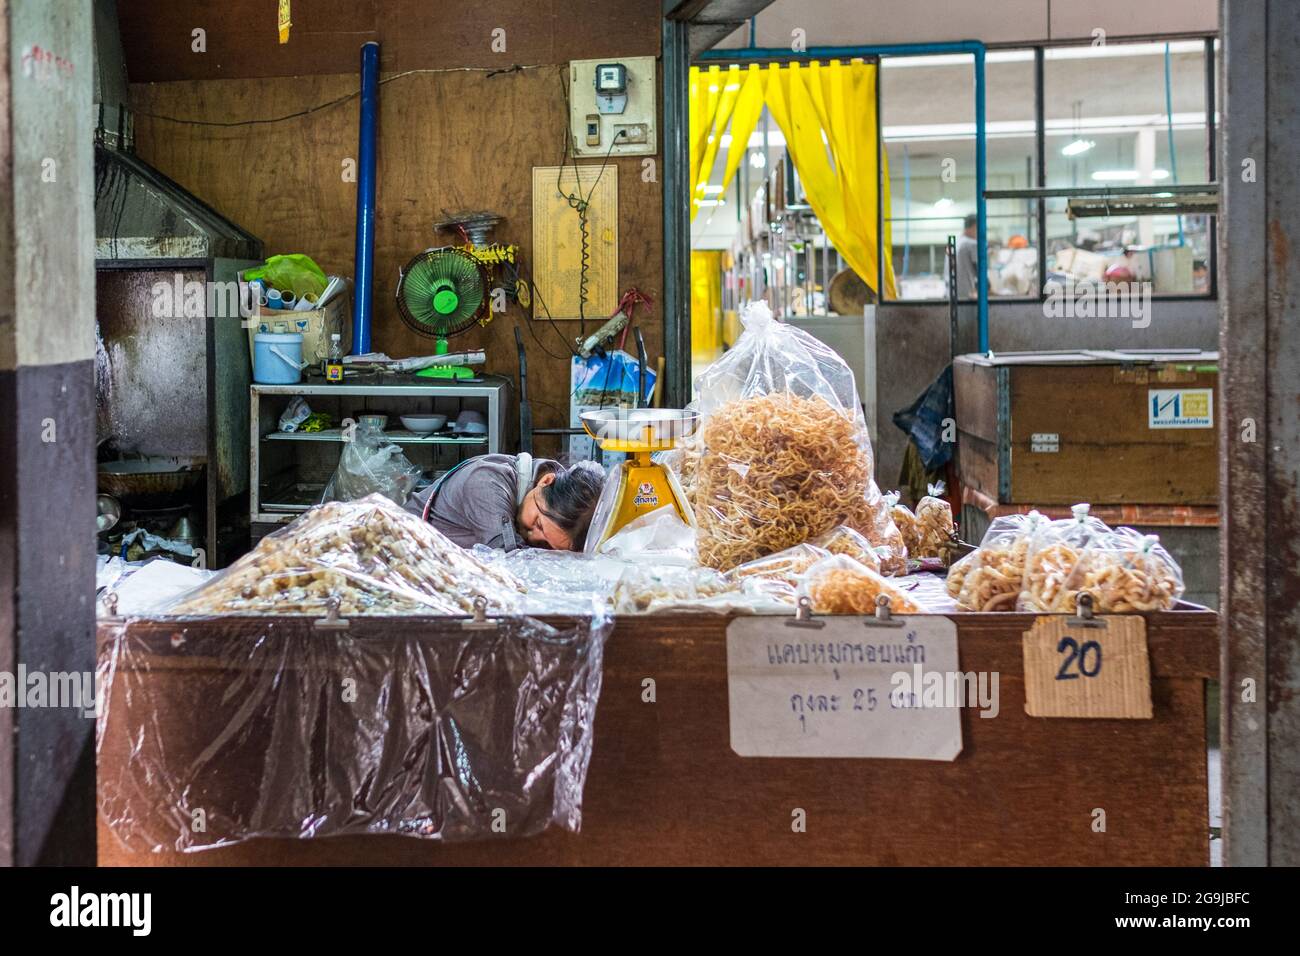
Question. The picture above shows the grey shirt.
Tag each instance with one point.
(968, 267)
(478, 502)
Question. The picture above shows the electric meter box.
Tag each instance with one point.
(612, 106)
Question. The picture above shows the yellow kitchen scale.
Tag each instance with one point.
(638, 485)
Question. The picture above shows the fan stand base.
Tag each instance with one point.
(446, 371)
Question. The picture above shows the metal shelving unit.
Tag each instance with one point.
(288, 470)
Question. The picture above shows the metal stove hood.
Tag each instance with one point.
(140, 214)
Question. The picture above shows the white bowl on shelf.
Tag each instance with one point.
(423, 424)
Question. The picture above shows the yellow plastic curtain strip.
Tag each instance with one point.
(828, 116)
(720, 99)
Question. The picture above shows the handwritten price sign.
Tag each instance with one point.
(1076, 670)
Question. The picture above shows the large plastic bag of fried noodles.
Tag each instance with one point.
(991, 577)
(1124, 570)
(840, 585)
(358, 557)
(784, 454)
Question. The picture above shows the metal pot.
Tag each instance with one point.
(149, 476)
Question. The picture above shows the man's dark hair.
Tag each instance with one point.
(570, 500)
(972, 220)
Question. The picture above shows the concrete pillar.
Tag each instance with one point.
(47, 426)
(1259, 300)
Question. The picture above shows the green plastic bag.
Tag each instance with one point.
(295, 271)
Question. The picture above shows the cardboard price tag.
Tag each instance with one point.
(846, 688)
(1076, 670)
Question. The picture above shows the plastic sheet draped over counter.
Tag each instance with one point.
(214, 731)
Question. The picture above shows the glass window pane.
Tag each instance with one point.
(1107, 123)
(928, 112)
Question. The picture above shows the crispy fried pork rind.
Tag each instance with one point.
(1124, 570)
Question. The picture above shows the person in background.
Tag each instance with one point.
(513, 501)
(968, 259)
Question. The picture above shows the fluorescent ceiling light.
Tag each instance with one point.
(944, 203)
(1075, 147)
(710, 202)
(1126, 175)
(757, 159)
(712, 189)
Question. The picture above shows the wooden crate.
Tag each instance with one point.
(665, 787)
(1064, 427)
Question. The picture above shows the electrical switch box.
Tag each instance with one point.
(612, 108)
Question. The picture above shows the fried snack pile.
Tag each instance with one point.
(844, 540)
(643, 589)
(778, 469)
(990, 579)
(785, 566)
(369, 555)
(840, 585)
(1128, 573)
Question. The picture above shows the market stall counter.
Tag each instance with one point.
(769, 671)
(664, 784)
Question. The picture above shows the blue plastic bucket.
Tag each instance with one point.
(277, 358)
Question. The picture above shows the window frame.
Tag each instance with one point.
(1040, 175)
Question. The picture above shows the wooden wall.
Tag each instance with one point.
(462, 138)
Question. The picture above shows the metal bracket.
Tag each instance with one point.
(884, 617)
(803, 615)
(1084, 617)
(480, 620)
(331, 621)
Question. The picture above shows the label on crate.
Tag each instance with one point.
(1180, 408)
(1073, 669)
(844, 688)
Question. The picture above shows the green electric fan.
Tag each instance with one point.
(441, 293)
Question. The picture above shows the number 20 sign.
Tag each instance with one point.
(1097, 668)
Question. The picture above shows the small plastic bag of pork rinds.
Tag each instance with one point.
(1124, 570)
(935, 528)
(784, 453)
(840, 585)
(905, 521)
(990, 578)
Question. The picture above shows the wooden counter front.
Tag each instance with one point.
(665, 788)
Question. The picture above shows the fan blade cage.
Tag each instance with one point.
(442, 292)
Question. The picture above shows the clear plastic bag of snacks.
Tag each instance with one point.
(784, 451)
(1123, 570)
(991, 578)
(935, 528)
(905, 521)
(844, 540)
(785, 566)
(840, 585)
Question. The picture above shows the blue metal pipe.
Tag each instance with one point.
(974, 47)
(362, 303)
